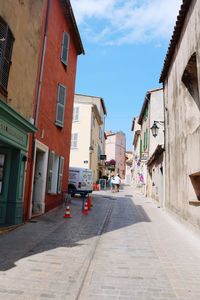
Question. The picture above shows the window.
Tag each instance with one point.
(195, 180)
(65, 48)
(61, 99)
(76, 114)
(140, 149)
(146, 113)
(144, 144)
(55, 173)
(100, 134)
(6, 46)
(190, 79)
(145, 140)
(74, 141)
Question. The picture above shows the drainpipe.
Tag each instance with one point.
(42, 64)
(41, 70)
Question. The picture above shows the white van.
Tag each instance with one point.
(80, 180)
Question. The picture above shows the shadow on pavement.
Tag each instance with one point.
(52, 231)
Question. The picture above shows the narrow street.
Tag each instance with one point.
(125, 248)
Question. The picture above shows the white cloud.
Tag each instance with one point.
(126, 21)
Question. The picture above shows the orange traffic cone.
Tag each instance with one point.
(67, 213)
(85, 210)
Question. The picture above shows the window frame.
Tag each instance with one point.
(72, 140)
(54, 173)
(65, 49)
(6, 49)
(59, 105)
(76, 112)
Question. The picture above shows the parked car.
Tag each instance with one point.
(80, 181)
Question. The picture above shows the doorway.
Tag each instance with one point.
(39, 179)
(5, 161)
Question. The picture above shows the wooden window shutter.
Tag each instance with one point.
(65, 48)
(74, 140)
(50, 171)
(60, 174)
(61, 99)
(140, 149)
(76, 114)
(6, 46)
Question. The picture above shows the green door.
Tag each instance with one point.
(5, 157)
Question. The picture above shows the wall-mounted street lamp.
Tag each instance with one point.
(155, 127)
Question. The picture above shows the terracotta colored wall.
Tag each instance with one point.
(58, 139)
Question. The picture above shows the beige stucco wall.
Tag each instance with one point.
(24, 17)
(154, 178)
(183, 124)
(83, 128)
(94, 159)
(115, 149)
(156, 113)
(88, 136)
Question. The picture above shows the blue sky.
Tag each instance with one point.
(125, 43)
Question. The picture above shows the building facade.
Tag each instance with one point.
(53, 108)
(19, 54)
(136, 170)
(151, 171)
(87, 138)
(181, 80)
(116, 150)
(128, 171)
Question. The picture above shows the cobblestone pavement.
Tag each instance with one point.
(126, 248)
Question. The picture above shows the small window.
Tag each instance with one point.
(195, 180)
(61, 99)
(65, 48)
(74, 141)
(146, 113)
(6, 46)
(76, 114)
(190, 79)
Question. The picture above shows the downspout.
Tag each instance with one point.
(41, 66)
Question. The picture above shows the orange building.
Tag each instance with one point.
(54, 97)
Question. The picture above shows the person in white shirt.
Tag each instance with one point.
(117, 182)
(112, 183)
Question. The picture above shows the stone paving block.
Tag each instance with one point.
(141, 255)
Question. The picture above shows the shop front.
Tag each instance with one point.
(14, 130)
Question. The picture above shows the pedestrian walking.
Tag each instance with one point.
(117, 181)
(112, 183)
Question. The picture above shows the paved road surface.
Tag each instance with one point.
(126, 248)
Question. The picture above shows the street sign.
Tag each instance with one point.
(103, 157)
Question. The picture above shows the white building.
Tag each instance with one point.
(116, 150)
(87, 137)
(128, 171)
(152, 147)
(181, 79)
(136, 169)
